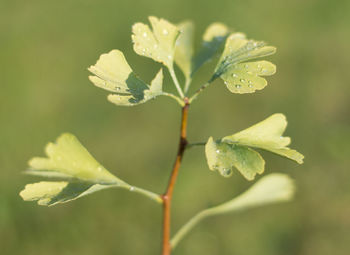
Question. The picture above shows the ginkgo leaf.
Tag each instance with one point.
(222, 157)
(269, 189)
(184, 48)
(213, 38)
(114, 74)
(134, 98)
(273, 188)
(52, 193)
(239, 75)
(68, 158)
(267, 135)
(158, 43)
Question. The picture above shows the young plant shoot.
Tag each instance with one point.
(74, 172)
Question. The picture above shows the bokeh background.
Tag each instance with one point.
(45, 49)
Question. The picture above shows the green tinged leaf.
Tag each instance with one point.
(184, 48)
(239, 75)
(67, 159)
(272, 188)
(233, 151)
(158, 43)
(114, 74)
(213, 38)
(223, 157)
(52, 193)
(267, 135)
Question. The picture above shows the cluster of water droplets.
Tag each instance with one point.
(225, 171)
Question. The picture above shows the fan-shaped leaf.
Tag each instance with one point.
(68, 158)
(267, 135)
(223, 157)
(241, 76)
(158, 43)
(184, 48)
(52, 193)
(113, 73)
(69, 161)
(273, 188)
(269, 189)
(213, 38)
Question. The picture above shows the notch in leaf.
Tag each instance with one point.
(234, 67)
(113, 73)
(68, 160)
(234, 151)
(158, 43)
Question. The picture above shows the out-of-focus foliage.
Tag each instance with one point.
(45, 49)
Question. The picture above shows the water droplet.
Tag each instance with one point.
(242, 80)
(238, 86)
(165, 32)
(99, 169)
(226, 171)
(225, 82)
(170, 57)
(234, 75)
(217, 151)
(131, 188)
(155, 46)
(259, 66)
(250, 85)
(144, 34)
(118, 88)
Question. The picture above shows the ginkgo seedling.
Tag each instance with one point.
(74, 172)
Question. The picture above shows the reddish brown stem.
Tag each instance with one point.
(167, 197)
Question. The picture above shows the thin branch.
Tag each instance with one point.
(176, 82)
(167, 197)
(195, 95)
(203, 87)
(185, 229)
(187, 84)
(179, 100)
(147, 193)
(190, 145)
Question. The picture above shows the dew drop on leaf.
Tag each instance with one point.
(227, 171)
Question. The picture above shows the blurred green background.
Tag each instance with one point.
(45, 49)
